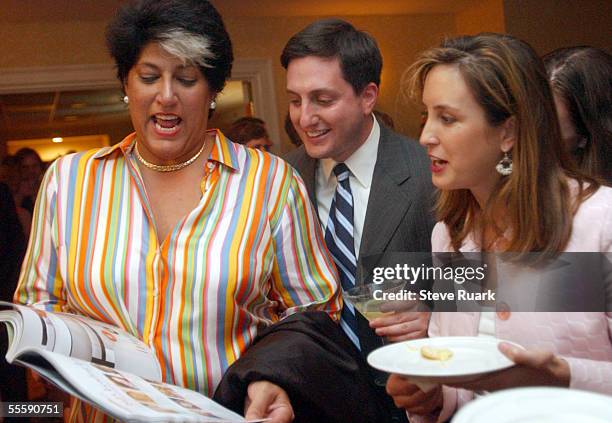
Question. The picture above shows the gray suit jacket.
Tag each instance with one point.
(399, 214)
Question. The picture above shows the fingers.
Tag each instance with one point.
(267, 400)
(397, 385)
(432, 401)
(402, 326)
(530, 358)
(398, 306)
(394, 319)
(408, 396)
(257, 402)
(403, 332)
(280, 414)
(508, 350)
(546, 362)
(483, 383)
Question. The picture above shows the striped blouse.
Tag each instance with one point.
(250, 253)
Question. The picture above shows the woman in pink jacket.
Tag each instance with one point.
(506, 184)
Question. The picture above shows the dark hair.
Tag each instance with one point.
(582, 77)
(357, 51)
(24, 152)
(508, 80)
(294, 137)
(384, 118)
(246, 129)
(143, 21)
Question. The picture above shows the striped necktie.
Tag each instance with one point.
(341, 245)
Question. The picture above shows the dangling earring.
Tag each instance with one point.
(126, 99)
(504, 167)
(213, 105)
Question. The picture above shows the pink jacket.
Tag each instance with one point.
(584, 340)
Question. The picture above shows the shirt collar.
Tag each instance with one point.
(223, 151)
(361, 163)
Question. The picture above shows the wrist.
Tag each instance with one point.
(561, 372)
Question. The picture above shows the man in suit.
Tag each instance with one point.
(333, 77)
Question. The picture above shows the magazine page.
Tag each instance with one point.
(79, 337)
(131, 398)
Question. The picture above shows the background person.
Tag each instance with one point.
(31, 172)
(581, 79)
(177, 235)
(12, 249)
(507, 185)
(10, 174)
(250, 131)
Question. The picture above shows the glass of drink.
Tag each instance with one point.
(374, 300)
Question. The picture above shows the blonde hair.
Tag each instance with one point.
(508, 80)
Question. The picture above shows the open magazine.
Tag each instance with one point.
(103, 366)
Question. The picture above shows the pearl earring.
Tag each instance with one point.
(126, 99)
(213, 105)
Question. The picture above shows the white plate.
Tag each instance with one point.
(538, 405)
(472, 357)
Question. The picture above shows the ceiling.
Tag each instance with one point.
(39, 115)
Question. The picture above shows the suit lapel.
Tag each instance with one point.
(390, 195)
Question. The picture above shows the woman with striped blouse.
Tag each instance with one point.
(177, 235)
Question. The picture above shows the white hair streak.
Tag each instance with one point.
(187, 46)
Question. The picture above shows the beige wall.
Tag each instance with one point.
(483, 16)
(546, 24)
(400, 38)
(52, 43)
(550, 24)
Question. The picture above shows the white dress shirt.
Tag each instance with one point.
(361, 164)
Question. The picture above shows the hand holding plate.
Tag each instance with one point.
(533, 368)
(408, 396)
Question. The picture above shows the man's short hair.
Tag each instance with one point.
(357, 51)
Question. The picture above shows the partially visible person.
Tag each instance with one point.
(12, 249)
(32, 169)
(199, 243)
(12, 244)
(294, 137)
(507, 185)
(581, 79)
(9, 172)
(11, 175)
(250, 131)
(370, 185)
(384, 118)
